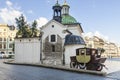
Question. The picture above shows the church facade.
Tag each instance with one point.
(60, 37)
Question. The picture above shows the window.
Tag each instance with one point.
(4, 46)
(0, 46)
(53, 38)
(53, 48)
(10, 45)
(4, 39)
(4, 29)
(65, 10)
(0, 39)
(10, 39)
(52, 26)
(10, 52)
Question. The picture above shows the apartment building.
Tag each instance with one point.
(7, 35)
(111, 49)
(94, 42)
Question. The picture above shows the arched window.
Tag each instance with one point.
(53, 38)
(10, 39)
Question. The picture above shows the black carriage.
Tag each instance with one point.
(87, 58)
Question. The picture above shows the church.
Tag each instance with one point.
(59, 39)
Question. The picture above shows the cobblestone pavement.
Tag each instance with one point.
(17, 72)
(112, 66)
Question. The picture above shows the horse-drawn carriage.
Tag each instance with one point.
(87, 58)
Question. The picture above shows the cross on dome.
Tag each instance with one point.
(57, 1)
(64, 1)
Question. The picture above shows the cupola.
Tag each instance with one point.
(57, 12)
(65, 8)
(66, 17)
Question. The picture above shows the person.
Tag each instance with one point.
(94, 57)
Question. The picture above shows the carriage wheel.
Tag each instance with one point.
(95, 67)
(73, 65)
(82, 65)
(99, 68)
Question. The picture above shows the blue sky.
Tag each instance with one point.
(102, 16)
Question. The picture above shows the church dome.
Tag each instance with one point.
(57, 4)
(65, 4)
(67, 19)
(73, 39)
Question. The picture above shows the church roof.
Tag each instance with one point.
(67, 19)
(73, 39)
(65, 4)
(57, 4)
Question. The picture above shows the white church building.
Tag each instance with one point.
(59, 39)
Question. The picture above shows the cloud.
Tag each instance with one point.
(9, 13)
(41, 21)
(89, 34)
(48, 1)
(96, 33)
(8, 3)
(30, 12)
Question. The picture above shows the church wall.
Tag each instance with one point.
(57, 29)
(70, 50)
(27, 50)
(75, 29)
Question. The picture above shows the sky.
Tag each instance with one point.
(96, 16)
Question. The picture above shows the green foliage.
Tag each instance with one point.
(34, 29)
(24, 29)
(102, 50)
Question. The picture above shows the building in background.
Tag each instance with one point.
(118, 50)
(94, 42)
(111, 49)
(7, 35)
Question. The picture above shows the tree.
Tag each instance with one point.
(24, 30)
(34, 29)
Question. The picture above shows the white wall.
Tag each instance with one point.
(27, 50)
(57, 29)
(70, 50)
(75, 29)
